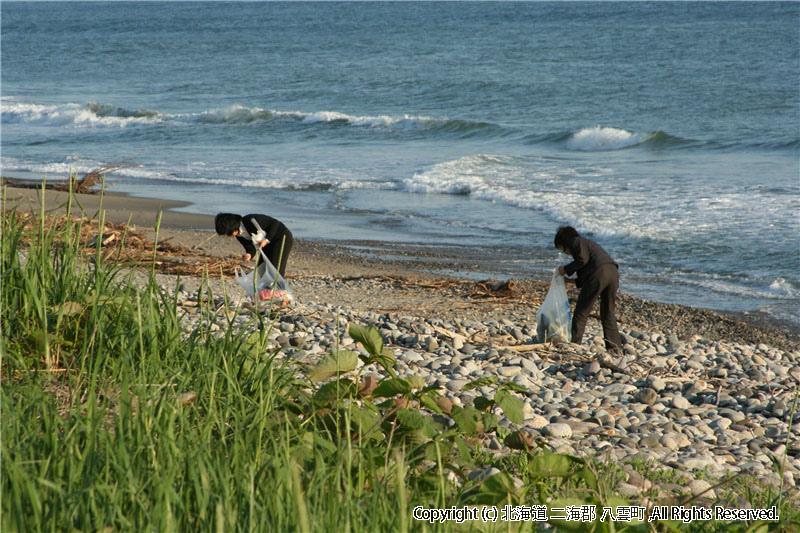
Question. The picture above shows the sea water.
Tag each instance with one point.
(668, 132)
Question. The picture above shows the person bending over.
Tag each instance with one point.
(598, 275)
(259, 231)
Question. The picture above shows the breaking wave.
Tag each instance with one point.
(74, 115)
(98, 115)
(598, 139)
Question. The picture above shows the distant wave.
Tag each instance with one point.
(593, 139)
(99, 115)
(598, 139)
(73, 115)
(246, 115)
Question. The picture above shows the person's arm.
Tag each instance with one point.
(248, 246)
(580, 256)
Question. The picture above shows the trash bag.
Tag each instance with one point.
(554, 319)
(269, 284)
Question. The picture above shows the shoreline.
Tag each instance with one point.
(375, 259)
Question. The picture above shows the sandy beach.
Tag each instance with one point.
(358, 276)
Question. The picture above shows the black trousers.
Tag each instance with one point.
(274, 254)
(604, 283)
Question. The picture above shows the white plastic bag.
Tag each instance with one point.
(554, 318)
(269, 284)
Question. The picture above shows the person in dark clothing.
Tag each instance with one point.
(259, 231)
(598, 275)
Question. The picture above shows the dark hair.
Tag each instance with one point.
(227, 223)
(564, 236)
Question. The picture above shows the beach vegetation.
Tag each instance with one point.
(115, 416)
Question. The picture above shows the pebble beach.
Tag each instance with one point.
(697, 394)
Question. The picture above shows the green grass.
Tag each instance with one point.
(115, 419)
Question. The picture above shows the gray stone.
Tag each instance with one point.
(701, 486)
(646, 396)
(557, 430)
(591, 368)
(656, 383)
(617, 389)
(721, 423)
(509, 371)
(456, 384)
(679, 402)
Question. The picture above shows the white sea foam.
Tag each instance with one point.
(14, 111)
(599, 201)
(241, 114)
(728, 285)
(601, 139)
(405, 121)
(67, 115)
(783, 287)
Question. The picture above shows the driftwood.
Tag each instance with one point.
(84, 185)
(526, 347)
(118, 242)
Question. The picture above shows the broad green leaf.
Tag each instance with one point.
(481, 382)
(482, 403)
(549, 465)
(496, 489)
(386, 359)
(463, 450)
(369, 336)
(466, 418)
(416, 382)
(489, 422)
(330, 392)
(364, 418)
(511, 405)
(416, 437)
(411, 418)
(427, 399)
(334, 364)
(516, 387)
(391, 387)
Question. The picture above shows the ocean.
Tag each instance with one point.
(667, 132)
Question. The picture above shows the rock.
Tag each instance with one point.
(669, 442)
(721, 423)
(445, 404)
(628, 491)
(481, 474)
(701, 486)
(456, 385)
(368, 384)
(509, 371)
(649, 442)
(656, 383)
(557, 430)
(679, 402)
(646, 396)
(591, 368)
(536, 422)
(519, 440)
(618, 389)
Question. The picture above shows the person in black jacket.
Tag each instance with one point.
(598, 275)
(254, 230)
